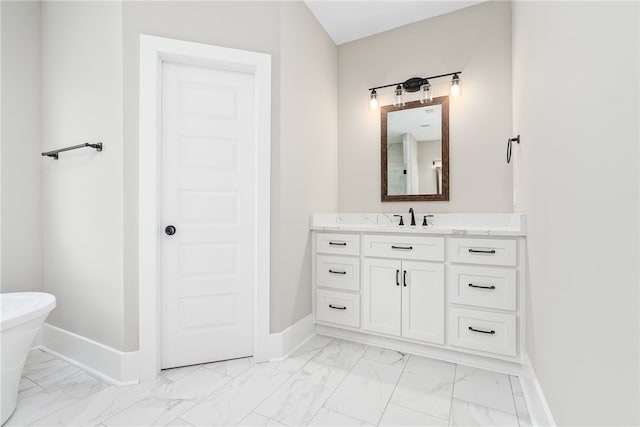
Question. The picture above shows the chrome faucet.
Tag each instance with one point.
(413, 217)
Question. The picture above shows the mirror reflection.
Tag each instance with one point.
(415, 151)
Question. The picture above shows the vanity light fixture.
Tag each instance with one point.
(373, 100)
(398, 99)
(455, 85)
(425, 92)
(415, 84)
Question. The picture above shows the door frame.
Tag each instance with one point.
(153, 51)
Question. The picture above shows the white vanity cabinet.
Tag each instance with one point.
(404, 299)
(482, 285)
(336, 271)
(436, 290)
(401, 296)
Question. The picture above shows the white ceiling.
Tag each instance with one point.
(348, 20)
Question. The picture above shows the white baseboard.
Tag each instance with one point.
(281, 344)
(122, 368)
(111, 365)
(539, 410)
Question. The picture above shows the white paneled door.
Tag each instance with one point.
(209, 198)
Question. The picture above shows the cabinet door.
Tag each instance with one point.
(381, 297)
(423, 301)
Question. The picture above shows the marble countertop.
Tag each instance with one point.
(448, 224)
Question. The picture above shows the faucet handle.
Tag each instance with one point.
(401, 220)
(424, 220)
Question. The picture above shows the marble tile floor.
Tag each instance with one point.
(326, 382)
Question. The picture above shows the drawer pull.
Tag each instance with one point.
(397, 280)
(337, 272)
(335, 307)
(404, 278)
(482, 251)
(481, 331)
(471, 285)
(337, 243)
(406, 248)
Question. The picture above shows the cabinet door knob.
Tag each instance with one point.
(170, 230)
(397, 279)
(404, 278)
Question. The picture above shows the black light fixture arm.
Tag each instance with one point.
(54, 153)
(415, 79)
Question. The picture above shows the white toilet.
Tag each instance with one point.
(21, 317)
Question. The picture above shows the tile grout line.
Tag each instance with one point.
(171, 422)
(208, 395)
(403, 406)
(35, 384)
(64, 407)
(455, 372)
(271, 394)
(338, 386)
(139, 400)
(70, 377)
(66, 365)
(291, 374)
(515, 405)
(406, 362)
(171, 382)
(44, 389)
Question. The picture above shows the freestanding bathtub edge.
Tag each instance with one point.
(21, 317)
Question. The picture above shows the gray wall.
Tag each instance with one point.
(475, 40)
(21, 263)
(576, 105)
(305, 173)
(82, 206)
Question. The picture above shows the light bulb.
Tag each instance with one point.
(455, 85)
(425, 92)
(398, 99)
(373, 100)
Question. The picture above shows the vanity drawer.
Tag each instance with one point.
(482, 251)
(482, 286)
(338, 272)
(333, 243)
(404, 247)
(338, 307)
(479, 330)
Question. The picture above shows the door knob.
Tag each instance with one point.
(170, 230)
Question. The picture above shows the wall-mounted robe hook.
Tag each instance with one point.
(510, 142)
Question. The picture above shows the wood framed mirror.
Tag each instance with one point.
(415, 151)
